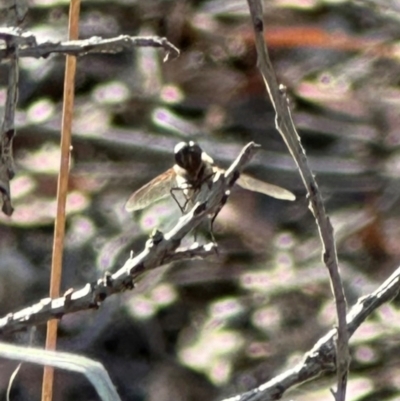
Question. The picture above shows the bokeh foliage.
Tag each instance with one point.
(211, 328)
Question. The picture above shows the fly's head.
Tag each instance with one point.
(188, 156)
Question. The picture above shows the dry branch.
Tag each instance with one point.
(8, 128)
(19, 43)
(322, 357)
(160, 249)
(30, 48)
(285, 126)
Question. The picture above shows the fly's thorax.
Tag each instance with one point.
(191, 183)
(183, 177)
(207, 174)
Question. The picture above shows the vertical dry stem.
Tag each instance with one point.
(286, 128)
(62, 190)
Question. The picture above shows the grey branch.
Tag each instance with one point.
(18, 43)
(322, 357)
(285, 126)
(30, 48)
(160, 249)
(8, 129)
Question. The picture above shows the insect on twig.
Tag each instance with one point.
(193, 168)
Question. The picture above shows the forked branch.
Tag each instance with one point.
(16, 43)
(322, 357)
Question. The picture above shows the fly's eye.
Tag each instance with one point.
(188, 155)
(180, 147)
(181, 152)
(195, 149)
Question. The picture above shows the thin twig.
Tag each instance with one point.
(322, 357)
(62, 192)
(8, 127)
(18, 35)
(19, 43)
(285, 126)
(160, 249)
(95, 44)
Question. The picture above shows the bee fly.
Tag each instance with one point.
(193, 167)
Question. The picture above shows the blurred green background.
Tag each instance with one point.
(207, 329)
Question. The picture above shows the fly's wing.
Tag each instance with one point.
(262, 187)
(151, 192)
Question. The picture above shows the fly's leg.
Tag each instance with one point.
(187, 199)
(188, 186)
(172, 192)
